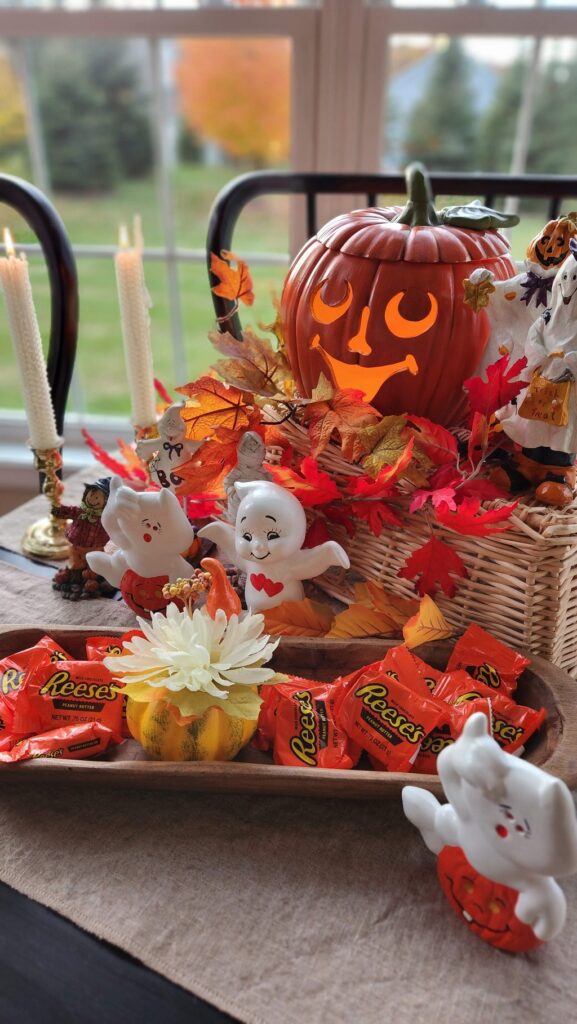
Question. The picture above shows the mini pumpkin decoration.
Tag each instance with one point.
(191, 677)
(487, 908)
(377, 299)
(551, 246)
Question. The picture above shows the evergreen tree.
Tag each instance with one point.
(93, 112)
(441, 130)
(498, 127)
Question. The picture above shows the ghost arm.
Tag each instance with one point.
(475, 759)
(310, 562)
(223, 535)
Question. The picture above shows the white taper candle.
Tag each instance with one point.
(134, 311)
(25, 334)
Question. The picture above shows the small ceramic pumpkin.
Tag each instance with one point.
(487, 908)
(551, 246)
(215, 736)
(376, 301)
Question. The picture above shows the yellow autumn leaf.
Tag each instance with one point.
(359, 620)
(374, 595)
(427, 625)
(298, 618)
(385, 442)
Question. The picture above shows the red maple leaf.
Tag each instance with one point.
(376, 514)
(311, 486)
(432, 566)
(440, 496)
(499, 389)
(341, 515)
(439, 444)
(472, 521)
(317, 533)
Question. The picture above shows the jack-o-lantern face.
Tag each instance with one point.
(551, 246)
(487, 908)
(372, 298)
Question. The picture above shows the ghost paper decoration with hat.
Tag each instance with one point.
(267, 544)
(508, 828)
(151, 533)
(543, 418)
(169, 450)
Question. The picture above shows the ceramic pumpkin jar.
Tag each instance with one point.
(551, 246)
(486, 907)
(215, 736)
(375, 301)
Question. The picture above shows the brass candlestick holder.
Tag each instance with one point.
(46, 538)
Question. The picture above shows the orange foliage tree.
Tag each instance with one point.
(236, 92)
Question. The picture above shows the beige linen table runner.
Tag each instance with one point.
(275, 910)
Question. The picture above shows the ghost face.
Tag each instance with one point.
(270, 526)
(171, 425)
(567, 278)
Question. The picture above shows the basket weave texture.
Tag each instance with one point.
(521, 584)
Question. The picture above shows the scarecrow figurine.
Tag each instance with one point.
(85, 533)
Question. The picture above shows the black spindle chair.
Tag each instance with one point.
(234, 197)
(42, 218)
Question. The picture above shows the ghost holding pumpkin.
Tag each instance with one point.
(266, 543)
(507, 829)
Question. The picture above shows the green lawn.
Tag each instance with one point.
(95, 219)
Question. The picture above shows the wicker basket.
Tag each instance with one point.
(521, 585)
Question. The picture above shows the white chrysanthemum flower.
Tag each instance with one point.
(196, 660)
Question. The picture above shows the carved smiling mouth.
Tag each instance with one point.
(368, 379)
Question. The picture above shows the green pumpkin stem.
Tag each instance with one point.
(420, 208)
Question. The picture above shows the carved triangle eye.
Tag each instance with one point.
(324, 313)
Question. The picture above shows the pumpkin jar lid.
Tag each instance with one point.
(417, 233)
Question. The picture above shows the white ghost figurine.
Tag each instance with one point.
(169, 450)
(267, 544)
(515, 823)
(150, 531)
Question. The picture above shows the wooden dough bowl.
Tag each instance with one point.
(554, 747)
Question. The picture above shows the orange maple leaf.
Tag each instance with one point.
(298, 618)
(235, 281)
(214, 404)
(206, 471)
(343, 414)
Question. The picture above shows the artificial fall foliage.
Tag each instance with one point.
(298, 618)
(500, 388)
(253, 366)
(433, 567)
(235, 281)
(427, 625)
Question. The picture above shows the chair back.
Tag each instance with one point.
(42, 218)
(234, 197)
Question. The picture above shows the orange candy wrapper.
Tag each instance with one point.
(385, 717)
(67, 693)
(487, 659)
(13, 671)
(297, 720)
(85, 739)
(512, 724)
(100, 647)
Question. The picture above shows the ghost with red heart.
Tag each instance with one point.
(266, 543)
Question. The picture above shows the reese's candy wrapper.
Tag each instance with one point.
(297, 720)
(446, 732)
(100, 647)
(86, 739)
(512, 724)
(70, 692)
(386, 718)
(400, 663)
(487, 659)
(13, 671)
